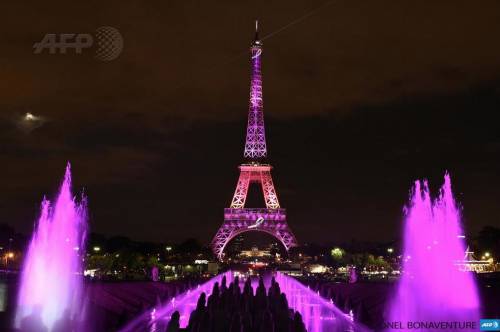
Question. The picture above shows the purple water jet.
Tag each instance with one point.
(318, 314)
(431, 288)
(50, 292)
(156, 319)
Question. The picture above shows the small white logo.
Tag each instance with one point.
(258, 222)
(108, 39)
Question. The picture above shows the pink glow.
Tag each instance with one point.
(431, 287)
(238, 219)
(255, 173)
(252, 214)
(156, 318)
(51, 279)
(255, 146)
(318, 314)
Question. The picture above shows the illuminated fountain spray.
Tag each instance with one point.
(155, 320)
(51, 281)
(432, 288)
(318, 314)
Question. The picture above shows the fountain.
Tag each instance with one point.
(51, 281)
(155, 320)
(432, 290)
(318, 314)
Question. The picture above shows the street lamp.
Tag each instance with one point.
(8, 255)
(97, 249)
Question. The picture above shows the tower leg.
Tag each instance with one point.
(240, 194)
(220, 240)
(270, 196)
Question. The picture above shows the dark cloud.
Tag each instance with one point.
(361, 98)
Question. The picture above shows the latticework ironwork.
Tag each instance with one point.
(260, 174)
(255, 144)
(238, 219)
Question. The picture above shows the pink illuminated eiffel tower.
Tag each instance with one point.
(237, 218)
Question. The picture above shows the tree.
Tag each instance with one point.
(488, 240)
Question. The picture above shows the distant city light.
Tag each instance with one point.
(96, 249)
(168, 248)
(390, 250)
(90, 273)
(317, 268)
(487, 254)
(10, 255)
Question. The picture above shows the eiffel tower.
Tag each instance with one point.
(239, 219)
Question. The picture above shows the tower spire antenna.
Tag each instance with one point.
(256, 30)
(255, 144)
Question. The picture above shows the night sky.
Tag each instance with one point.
(360, 97)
